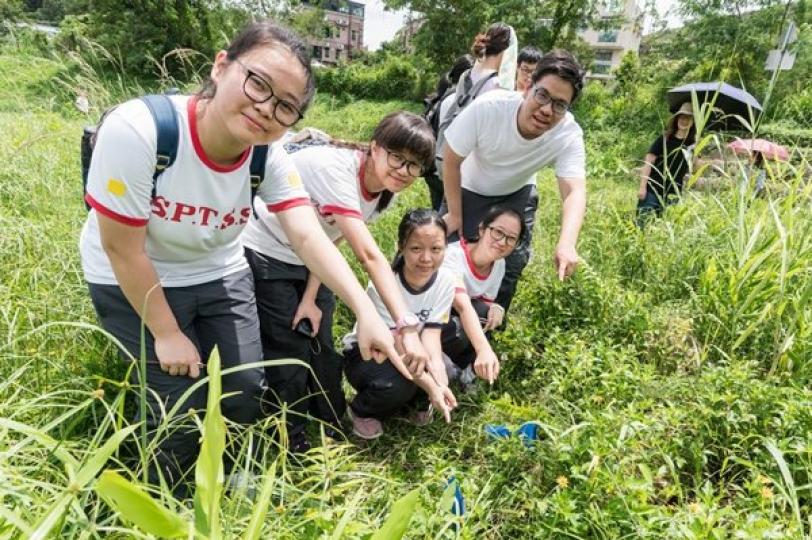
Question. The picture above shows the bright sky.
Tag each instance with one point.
(380, 25)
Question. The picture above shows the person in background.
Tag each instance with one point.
(428, 290)
(526, 63)
(445, 87)
(666, 164)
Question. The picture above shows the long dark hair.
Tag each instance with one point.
(412, 220)
(494, 213)
(402, 132)
(671, 130)
(495, 40)
(262, 33)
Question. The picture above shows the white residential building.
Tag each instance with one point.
(621, 31)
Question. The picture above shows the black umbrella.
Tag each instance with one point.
(727, 101)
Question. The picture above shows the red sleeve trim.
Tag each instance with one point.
(483, 298)
(115, 216)
(329, 209)
(288, 204)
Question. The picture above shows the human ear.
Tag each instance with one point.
(220, 64)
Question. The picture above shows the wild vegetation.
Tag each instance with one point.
(669, 378)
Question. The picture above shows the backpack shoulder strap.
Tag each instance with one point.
(166, 126)
(259, 158)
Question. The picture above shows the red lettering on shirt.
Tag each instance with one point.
(245, 214)
(159, 206)
(228, 220)
(183, 210)
(205, 213)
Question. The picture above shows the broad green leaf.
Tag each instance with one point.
(395, 525)
(136, 506)
(90, 469)
(209, 468)
(254, 529)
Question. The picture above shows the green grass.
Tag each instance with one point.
(670, 376)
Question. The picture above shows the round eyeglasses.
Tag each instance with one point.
(543, 98)
(258, 90)
(396, 161)
(499, 235)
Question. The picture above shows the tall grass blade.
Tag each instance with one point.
(209, 469)
(402, 511)
(254, 529)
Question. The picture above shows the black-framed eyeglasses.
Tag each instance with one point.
(543, 98)
(499, 235)
(258, 90)
(527, 70)
(396, 161)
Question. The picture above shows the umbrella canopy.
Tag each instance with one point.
(728, 99)
(768, 149)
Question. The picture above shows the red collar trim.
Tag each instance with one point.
(191, 109)
(362, 173)
(471, 267)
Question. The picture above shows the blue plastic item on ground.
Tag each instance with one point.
(528, 433)
(458, 506)
(497, 431)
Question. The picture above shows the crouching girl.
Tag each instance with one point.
(480, 265)
(428, 290)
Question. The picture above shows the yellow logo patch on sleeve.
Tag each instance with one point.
(116, 187)
(294, 180)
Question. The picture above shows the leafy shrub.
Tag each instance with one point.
(394, 78)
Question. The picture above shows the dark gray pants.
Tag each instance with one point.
(280, 287)
(474, 207)
(456, 343)
(221, 313)
(381, 390)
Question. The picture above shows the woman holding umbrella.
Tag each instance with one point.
(666, 164)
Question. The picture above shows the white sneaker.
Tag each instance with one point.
(467, 379)
(452, 371)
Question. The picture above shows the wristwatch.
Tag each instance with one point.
(408, 320)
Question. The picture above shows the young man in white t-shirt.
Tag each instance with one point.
(497, 145)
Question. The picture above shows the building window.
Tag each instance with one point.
(316, 51)
(601, 68)
(608, 31)
(355, 36)
(603, 56)
(358, 11)
(608, 36)
(327, 52)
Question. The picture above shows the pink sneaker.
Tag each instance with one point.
(420, 418)
(365, 428)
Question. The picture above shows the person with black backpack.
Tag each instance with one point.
(494, 68)
(350, 185)
(445, 87)
(160, 248)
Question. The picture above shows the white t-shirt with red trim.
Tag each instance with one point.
(431, 304)
(478, 286)
(334, 179)
(194, 222)
(498, 160)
